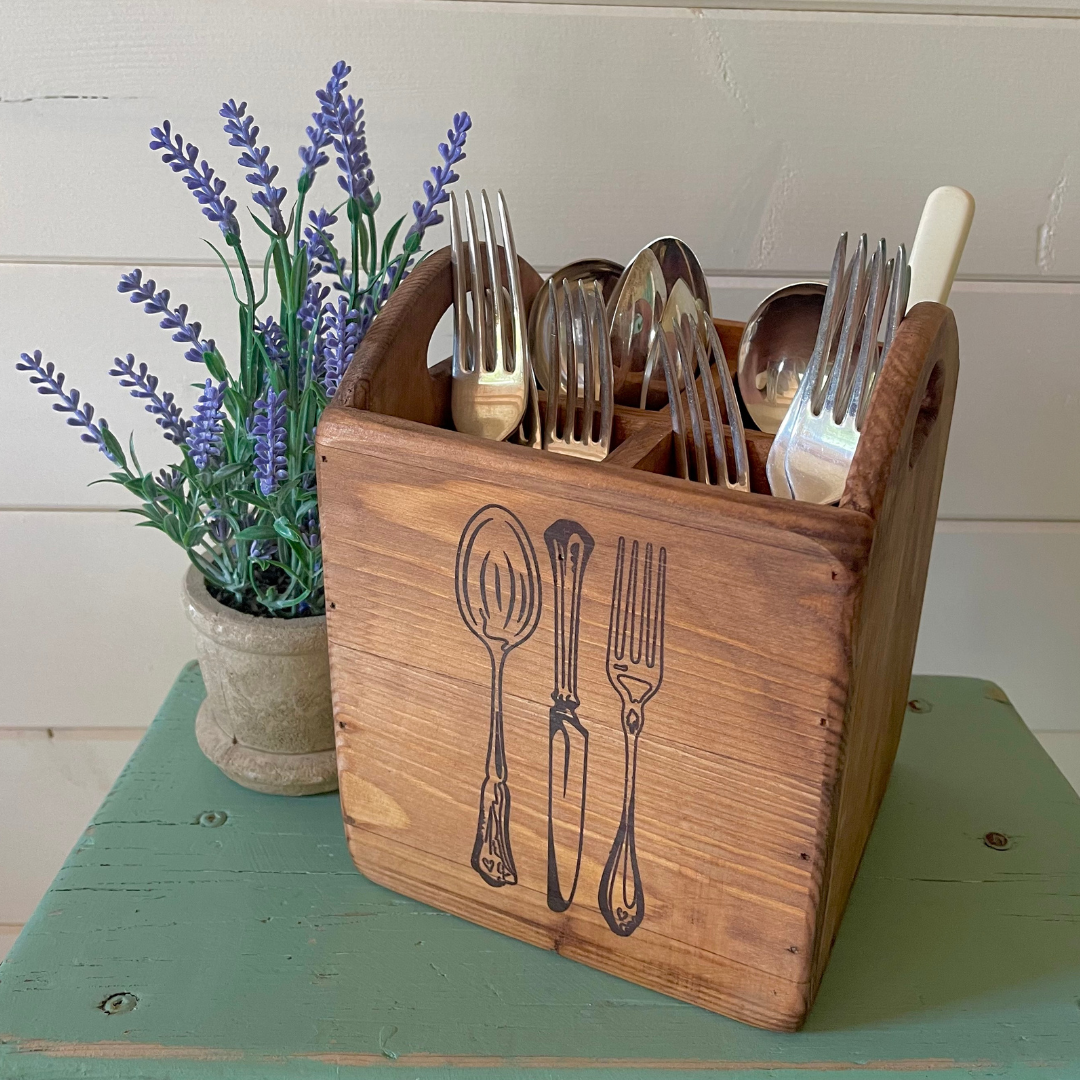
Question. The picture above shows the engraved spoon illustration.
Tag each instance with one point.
(569, 545)
(497, 580)
(635, 668)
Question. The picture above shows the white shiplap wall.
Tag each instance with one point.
(756, 134)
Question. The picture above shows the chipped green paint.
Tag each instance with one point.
(199, 930)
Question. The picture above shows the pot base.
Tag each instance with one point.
(260, 770)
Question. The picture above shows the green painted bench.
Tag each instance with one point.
(202, 930)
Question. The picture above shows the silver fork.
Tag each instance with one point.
(826, 335)
(899, 285)
(490, 366)
(826, 432)
(578, 347)
(681, 368)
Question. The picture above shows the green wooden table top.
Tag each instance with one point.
(202, 930)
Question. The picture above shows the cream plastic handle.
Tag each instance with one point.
(939, 243)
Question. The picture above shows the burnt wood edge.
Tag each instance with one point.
(927, 333)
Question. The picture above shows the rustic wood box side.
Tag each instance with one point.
(748, 832)
(895, 479)
(735, 736)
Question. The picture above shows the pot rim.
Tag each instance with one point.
(248, 633)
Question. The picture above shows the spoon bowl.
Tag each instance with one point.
(603, 271)
(679, 263)
(634, 318)
(775, 349)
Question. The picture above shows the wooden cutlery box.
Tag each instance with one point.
(642, 722)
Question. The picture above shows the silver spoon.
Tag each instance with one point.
(775, 349)
(604, 271)
(634, 317)
(679, 263)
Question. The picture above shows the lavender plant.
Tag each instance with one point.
(242, 500)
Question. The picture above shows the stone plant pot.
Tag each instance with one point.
(267, 721)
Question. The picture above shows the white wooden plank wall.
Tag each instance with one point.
(755, 133)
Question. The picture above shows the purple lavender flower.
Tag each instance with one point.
(425, 213)
(208, 190)
(242, 132)
(319, 238)
(145, 386)
(219, 528)
(204, 432)
(273, 339)
(50, 381)
(268, 428)
(308, 312)
(170, 479)
(309, 531)
(319, 134)
(345, 123)
(157, 303)
(264, 551)
(339, 344)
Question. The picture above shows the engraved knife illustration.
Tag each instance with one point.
(635, 669)
(569, 545)
(497, 580)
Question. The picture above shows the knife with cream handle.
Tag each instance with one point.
(939, 243)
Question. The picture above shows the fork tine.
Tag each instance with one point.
(850, 402)
(853, 311)
(712, 407)
(897, 298)
(896, 305)
(463, 348)
(588, 403)
(498, 301)
(832, 315)
(573, 359)
(551, 412)
(513, 274)
(731, 407)
(650, 369)
(678, 419)
(476, 285)
(603, 361)
(685, 336)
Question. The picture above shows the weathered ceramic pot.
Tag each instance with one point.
(266, 722)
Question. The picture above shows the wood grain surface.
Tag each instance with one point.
(717, 840)
(254, 950)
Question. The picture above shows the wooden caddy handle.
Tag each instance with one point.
(911, 407)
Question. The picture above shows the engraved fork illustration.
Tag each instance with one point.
(635, 668)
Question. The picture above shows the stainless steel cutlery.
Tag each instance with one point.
(597, 333)
(826, 429)
(688, 370)
(579, 355)
(490, 366)
(814, 446)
